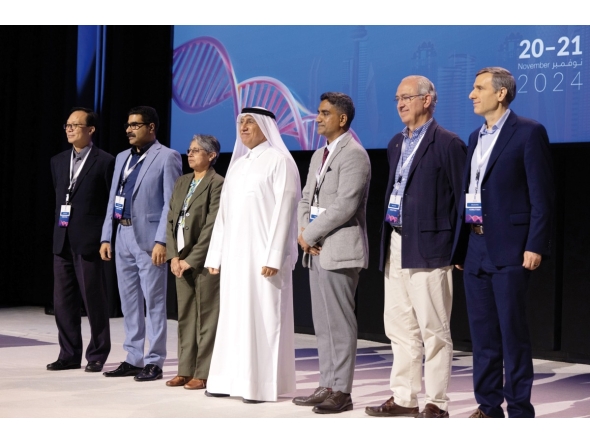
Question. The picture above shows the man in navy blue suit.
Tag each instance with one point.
(502, 235)
(421, 204)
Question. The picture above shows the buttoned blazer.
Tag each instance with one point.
(517, 194)
(150, 200)
(430, 201)
(199, 218)
(341, 230)
(88, 200)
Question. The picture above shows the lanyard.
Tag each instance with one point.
(128, 170)
(404, 167)
(483, 158)
(74, 176)
(193, 186)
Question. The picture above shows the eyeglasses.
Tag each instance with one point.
(194, 151)
(135, 125)
(73, 126)
(407, 99)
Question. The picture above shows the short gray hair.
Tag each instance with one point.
(425, 86)
(209, 144)
(501, 78)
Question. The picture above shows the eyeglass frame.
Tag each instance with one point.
(195, 151)
(137, 125)
(73, 126)
(408, 99)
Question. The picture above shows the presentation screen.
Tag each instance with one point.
(217, 70)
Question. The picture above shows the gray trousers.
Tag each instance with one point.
(334, 321)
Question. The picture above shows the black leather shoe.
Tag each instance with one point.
(125, 369)
(336, 402)
(61, 364)
(215, 395)
(93, 366)
(317, 397)
(150, 372)
(251, 401)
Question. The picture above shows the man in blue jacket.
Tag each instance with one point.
(502, 235)
(138, 206)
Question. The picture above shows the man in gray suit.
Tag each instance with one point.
(333, 235)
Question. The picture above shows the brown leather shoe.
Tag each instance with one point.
(432, 411)
(178, 381)
(317, 397)
(336, 402)
(390, 408)
(196, 384)
(479, 414)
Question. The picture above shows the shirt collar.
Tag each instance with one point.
(497, 126)
(83, 152)
(143, 150)
(418, 131)
(334, 143)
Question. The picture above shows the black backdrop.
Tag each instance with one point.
(38, 87)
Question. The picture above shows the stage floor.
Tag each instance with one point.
(28, 342)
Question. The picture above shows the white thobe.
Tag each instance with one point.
(254, 354)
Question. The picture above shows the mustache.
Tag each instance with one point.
(129, 135)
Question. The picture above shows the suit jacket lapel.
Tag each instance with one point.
(86, 167)
(149, 158)
(467, 170)
(202, 186)
(343, 142)
(424, 144)
(506, 134)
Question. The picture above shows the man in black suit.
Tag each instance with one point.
(502, 236)
(425, 166)
(82, 179)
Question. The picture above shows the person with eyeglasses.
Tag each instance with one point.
(333, 236)
(81, 178)
(193, 208)
(419, 217)
(136, 218)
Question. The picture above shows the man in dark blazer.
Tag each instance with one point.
(502, 235)
(421, 204)
(81, 178)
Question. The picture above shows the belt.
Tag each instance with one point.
(125, 222)
(477, 229)
(398, 230)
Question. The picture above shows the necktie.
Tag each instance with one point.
(326, 153)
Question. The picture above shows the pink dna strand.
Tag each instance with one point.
(203, 77)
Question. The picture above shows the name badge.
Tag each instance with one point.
(315, 212)
(64, 215)
(119, 204)
(393, 208)
(473, 210)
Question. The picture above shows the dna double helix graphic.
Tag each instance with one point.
(203, 77)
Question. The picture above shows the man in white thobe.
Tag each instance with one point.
(254, 245)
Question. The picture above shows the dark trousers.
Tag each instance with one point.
(496, 305)
(76, 276)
